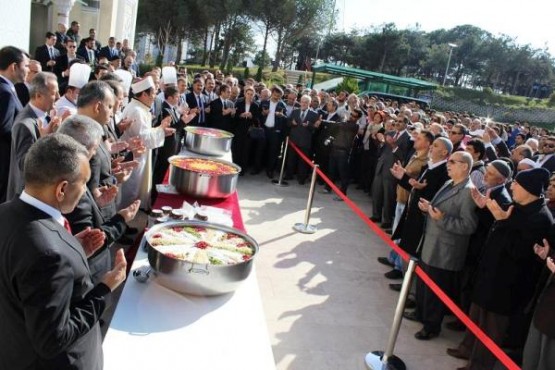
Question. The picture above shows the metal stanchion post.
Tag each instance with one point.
(280, 182)
(305, 228)
(380, 360)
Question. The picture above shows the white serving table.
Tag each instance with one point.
(156, 328)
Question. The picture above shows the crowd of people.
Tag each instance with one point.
(84, 139)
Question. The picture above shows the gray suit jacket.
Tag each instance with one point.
(446, 241)
(25, 132)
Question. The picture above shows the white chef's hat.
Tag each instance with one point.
(79, 75)
(169, 75)
(127, 78)
(142, 85)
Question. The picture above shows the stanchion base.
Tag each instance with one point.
(305, 229)
(373, 361)
(277, 183)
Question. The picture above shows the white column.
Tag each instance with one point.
(62, 9)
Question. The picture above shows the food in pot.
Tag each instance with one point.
(209, 132)
(202, 245)
(202, 165)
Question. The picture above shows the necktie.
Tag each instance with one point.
(50, 53)
(67, 226)
(91, 57)
(303, 116)
(201, 108)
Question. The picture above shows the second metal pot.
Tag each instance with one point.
(208, 141)
(201, 184)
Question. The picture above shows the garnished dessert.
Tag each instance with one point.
(202, 245)
(206, 166)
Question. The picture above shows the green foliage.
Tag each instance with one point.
(246, 73)
(259, 74)
(262, 59)
(551, 101)
(349, 84)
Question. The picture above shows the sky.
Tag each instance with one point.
(530, 22)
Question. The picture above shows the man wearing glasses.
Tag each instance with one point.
(456, 135)
(64, 61)
(547, 161)
(451, 220)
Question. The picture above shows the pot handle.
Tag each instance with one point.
(142, 274)
(204, 175)
(197, 270)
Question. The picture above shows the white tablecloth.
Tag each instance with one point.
(156, 328)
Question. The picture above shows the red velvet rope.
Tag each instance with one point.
(490, 344)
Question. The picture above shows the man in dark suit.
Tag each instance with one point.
(197, 103)
(14, 66)
(547, 160)
(221, 111)
(87, 213)
(302, 122)
(87, 52)
(22, 88)
(46, 54)
(64, 62)
(109, 51)
(273, 117)
(50, 307)
(30, 124)
(395, 148)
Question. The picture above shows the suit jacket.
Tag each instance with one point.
(101, 174)
(411, 225)
(10, 106)
(550, 164)
(446, 240)
(49, 307)
(22, 93)
(298, 132)
(43, 56)
(105, 52)
(83, 53)
(280, 123)
(62, 64)
(25, 133)
(216, 118)
(241, 125)
(191, 100)
(87, 214)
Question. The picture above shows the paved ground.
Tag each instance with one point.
(326, 301)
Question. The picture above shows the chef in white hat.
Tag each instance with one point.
(78, 77)
(138, 112)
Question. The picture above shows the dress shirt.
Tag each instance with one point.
(271, 118)
(49, 210)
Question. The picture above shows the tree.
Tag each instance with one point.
(262, 59)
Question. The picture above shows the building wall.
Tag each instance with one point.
(15, 23)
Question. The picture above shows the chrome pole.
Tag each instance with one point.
(280, 182)
(306, 228)
(386, 360)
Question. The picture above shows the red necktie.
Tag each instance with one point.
(67, 226)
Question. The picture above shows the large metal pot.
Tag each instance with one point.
(190, 278)
(202, 184)
(208, 141)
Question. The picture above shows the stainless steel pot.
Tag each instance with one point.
(206, 144)
(190, 278)
(201, 184)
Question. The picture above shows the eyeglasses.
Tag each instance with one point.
(455, 133)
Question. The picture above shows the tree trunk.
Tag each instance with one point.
(278, 50)
(515, 83)
(214, 47)
(382, 61)
(205, 51)
(263, 57)
(179, 49)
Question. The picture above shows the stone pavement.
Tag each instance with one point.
(326, 301)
